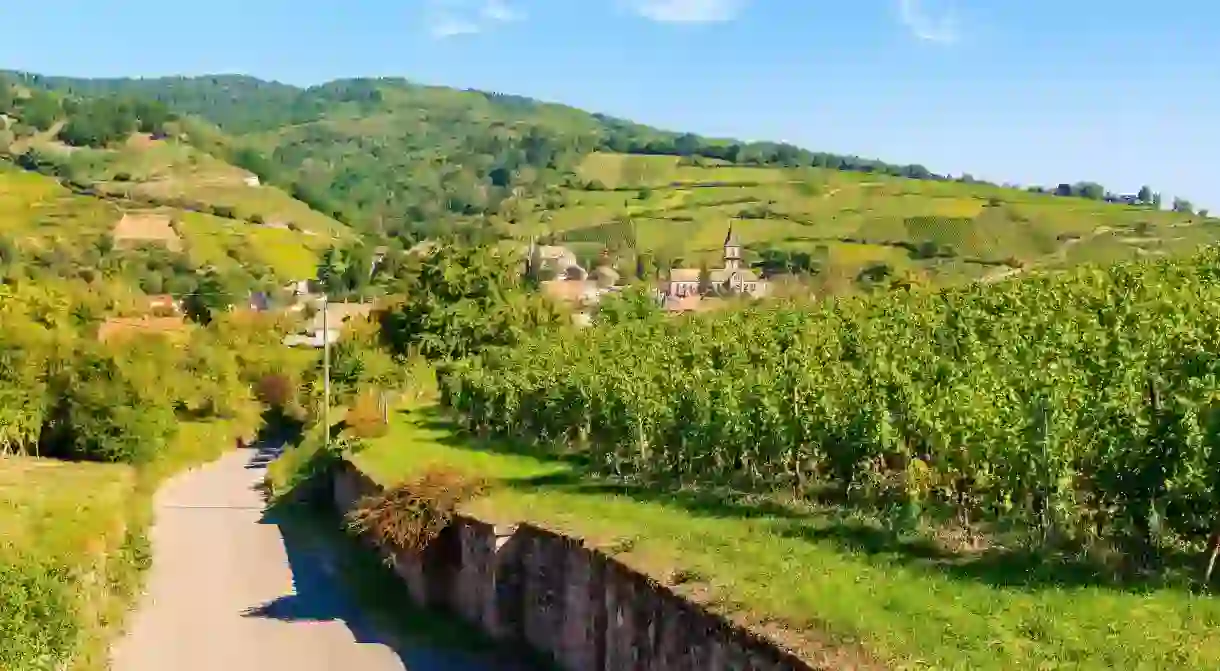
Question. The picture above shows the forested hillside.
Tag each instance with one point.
(467, 150)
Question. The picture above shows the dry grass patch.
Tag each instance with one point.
(412, 514)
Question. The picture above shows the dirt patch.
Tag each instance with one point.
(142, 141)
(147, 227)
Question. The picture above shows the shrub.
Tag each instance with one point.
(366, 417)
(275, 390)
(411, 515)
(98, 414)
(38, 622)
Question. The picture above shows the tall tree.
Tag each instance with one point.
(211, 295)
(705, 278)
(1182, 205)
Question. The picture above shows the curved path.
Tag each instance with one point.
(232, 590)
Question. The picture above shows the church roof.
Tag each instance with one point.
(720, 275)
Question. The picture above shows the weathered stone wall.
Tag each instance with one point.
(523, 584)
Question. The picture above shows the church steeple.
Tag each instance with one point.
(732, 250)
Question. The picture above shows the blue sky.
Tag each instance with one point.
(1038, 91)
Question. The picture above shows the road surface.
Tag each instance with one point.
(232, 590)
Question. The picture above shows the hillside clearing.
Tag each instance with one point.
(816, 579)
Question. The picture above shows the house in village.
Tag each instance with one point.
(732, 279)
(328, 327)
(554, 259)
(163, 305)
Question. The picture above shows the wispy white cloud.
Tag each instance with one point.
(687, 11)
(940, 27)
(499, 12)
(449, 18)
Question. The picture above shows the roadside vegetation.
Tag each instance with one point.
(88, 429)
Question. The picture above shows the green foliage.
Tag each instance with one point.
(40, 110)
(1078, 406)
(634, 303)
(66, 531)
(348, 272)
(358, 363)
(38, 621)
(99, 414)
(211, 295)
(459, 300)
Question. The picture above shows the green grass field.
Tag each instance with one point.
(66, 559)
(819, 580)
(682, 211)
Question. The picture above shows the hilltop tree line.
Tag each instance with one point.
(85, 121)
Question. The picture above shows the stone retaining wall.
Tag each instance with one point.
(524, 584)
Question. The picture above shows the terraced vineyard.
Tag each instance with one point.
(940, 230)
(37, 212)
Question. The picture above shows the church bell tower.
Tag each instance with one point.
(732, 250)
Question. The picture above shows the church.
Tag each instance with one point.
(731, 279)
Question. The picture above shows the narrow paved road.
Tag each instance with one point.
(230, 590)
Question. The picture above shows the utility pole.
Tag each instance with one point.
(326, 370)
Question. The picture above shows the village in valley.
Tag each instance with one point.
(677, 290)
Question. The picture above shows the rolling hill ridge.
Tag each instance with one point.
(402, 162)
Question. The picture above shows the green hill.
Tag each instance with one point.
(72, 167)
(403, 161)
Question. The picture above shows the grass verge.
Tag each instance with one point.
(823, 582)
(73, 549)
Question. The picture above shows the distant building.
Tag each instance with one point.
(298, 287)
(339, 314)
(733, 278)
(559, 260)
(163, 304)
(259, 301)
(337, 317)
(574, 292)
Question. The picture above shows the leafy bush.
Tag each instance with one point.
(38, 619)
(99, 414)
(460, 300)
